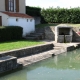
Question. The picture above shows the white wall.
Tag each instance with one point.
(37, 20)
(27, 26)
(4, 19)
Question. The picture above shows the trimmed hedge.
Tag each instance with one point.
(33, 11)
(61, 15)
(10, 33)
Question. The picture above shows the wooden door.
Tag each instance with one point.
(0, 20)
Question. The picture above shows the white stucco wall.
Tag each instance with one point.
(37, 20)
(28, 26)
(4, 19)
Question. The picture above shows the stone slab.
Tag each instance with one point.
(7, 63)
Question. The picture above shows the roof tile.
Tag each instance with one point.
(13, 14)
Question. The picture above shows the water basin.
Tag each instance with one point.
(65, 66)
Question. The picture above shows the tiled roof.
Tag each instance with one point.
(13, 14)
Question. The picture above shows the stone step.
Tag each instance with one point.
(32, 38)
(59, 44)
(57, 48)
(37, 33)
(38, 57)
(34, 58)
(35, 36)
(40, 35)
(32, 35)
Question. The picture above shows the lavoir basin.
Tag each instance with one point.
(64, 66)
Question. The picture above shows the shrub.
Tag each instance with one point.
(10, 33)
(33, 11)
(61, 15)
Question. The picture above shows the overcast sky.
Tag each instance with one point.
(54, 3)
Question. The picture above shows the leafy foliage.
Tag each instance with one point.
(10, 33)
(61, 15)
(33, 11)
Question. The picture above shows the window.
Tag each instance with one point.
(30, 20)
(27, 20)
(11, 5)
(16, 19)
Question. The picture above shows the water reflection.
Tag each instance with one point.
(55, 59)
(65, 66)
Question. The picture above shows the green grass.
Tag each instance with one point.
(74, 25)
(46, 25)
(6, 46)
(55, 24)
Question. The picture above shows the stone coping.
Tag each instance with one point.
(44, 55)
(63, 26)
(26, 51)
(23, 48)
(6, 58)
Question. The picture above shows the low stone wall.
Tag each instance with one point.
(73, 47)
(50, 33)
(28, 50)
(61, 48)
(8, 63)
(76, 34)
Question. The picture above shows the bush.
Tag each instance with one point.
(33, 11)
(10, 33)
(61, 15)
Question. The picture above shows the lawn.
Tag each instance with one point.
(55, 24)
(24, 43)
(46, 25)
(17, 44)
(74, 25)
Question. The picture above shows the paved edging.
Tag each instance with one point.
(60, 48)
(44, 55)
(27, 51)
(34, 58)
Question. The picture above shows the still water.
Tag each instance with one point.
(65, 66)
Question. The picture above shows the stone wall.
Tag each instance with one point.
(50, 33)
(7, 63)
(28, 50)
(76, 34)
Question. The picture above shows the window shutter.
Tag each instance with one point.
(6, 5)
(17, 5)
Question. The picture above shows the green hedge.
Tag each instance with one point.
(33, 11)
(61, 15)
(10, 33)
